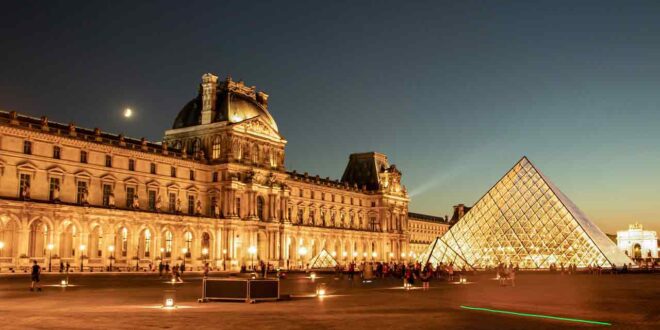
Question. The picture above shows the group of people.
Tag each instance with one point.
(507, 274)
(176, 271)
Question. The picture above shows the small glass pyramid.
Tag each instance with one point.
(525, 220)
(323, 261)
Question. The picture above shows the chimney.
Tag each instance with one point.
(209, 87)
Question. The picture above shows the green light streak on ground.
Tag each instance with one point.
(535, 315)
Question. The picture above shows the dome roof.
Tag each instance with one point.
(234, 103)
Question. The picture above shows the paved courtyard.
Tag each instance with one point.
(132, 301)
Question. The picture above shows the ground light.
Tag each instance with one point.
(312, 276)
(568, 319)
(321, 290)
(64, 283)
(169, 299)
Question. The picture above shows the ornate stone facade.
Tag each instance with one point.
(423, 230)
(215, 189)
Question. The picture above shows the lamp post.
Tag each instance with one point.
(373, 255)
(82, 256)
(50, 256)
(111, 248)
(302, 251)
(162, 255)
(185, 252)
(252, 250)
(205, 253)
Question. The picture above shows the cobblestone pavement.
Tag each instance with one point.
(131, 301)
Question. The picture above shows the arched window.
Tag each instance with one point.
(124, 242)
(187, 236)
(215, 149)
(260, 208)
(168, 244)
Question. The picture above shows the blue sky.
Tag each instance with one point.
(453, 92)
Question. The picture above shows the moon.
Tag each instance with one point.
(128, 113)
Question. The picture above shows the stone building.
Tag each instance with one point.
(638, 243)
(423, 230)
(215, 189)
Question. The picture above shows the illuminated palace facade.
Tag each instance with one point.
(215, 189)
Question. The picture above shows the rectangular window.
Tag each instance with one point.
(191, 204)
(215, 177)
(83, 157)
(131, 165)
(153, 168)
(108, 161)
(192, 175)
(152, 200)
(172, 202)
(56, 152)
(238, 207)
(54, 185)
(81, 191)
(214, 202)
(27, 147)
(24, 183)
(130, 195)
(107, 190)
(173, 172)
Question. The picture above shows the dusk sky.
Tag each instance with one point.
(454, 93)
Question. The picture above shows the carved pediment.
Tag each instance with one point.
(55, 170)
(258, 127)
(108, 178)
(131, 180)
(82, 174)
(27, 166)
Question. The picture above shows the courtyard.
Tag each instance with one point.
(133, 300)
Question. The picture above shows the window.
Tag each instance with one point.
(27, 147)
(83, 156)
(81, 192)
(191, 204)
(108, 161)
(168, 244)
(107, 190)
(373, 224)
(238, 207)
(373, 204)
(56, 152)
(192, 175)
(214, 177)
(215, 149)
(152, 200)
(153, 168)
(188, 238)
(131, 164)
(300, 215)
(54, 185)
(24, 183)
(260, 208)
(300, 192)
(130, 195)
(172, 202)
(124, 242)
(173, 172)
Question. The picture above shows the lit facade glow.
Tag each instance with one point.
(638, 243)
(524, 220)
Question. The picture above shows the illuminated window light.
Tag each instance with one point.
(536, 315)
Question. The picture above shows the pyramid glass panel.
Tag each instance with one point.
(323, 261)
(524, 219)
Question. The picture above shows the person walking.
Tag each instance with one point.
(206, 270)
(450, 272)
(512, 275)
(36, 271)
(61, 266)
(426, 276)
(67, 266)
(161, 267)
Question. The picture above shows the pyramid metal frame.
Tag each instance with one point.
(323, 261)
(524, 219)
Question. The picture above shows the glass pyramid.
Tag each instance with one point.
(524, 219)
(323, 261)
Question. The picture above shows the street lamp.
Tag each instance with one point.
(224, 259)
(252, 250)
(185, 254)
(82, 256)
(205, 253)
(162, 255)
(50, 255)
(111, 248)
(302, 251)
(373, 255)
(355, 254)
